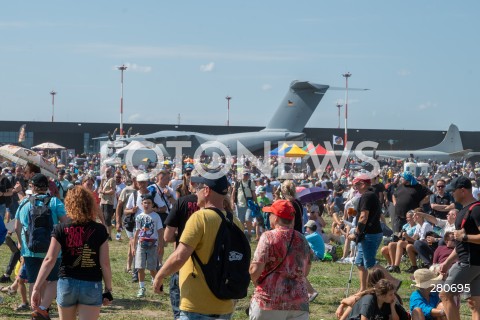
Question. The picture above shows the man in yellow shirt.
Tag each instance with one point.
(196, 299)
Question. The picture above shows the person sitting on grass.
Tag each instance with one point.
(374, 276)
(379, 303)
(425, 304)
(443, 252)
(314, 214)
(315, 241)
(317, 245)
(390, 251)
(420, 234)
(149, 242)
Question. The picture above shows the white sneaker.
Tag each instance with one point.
(312, 296)
(141, 292)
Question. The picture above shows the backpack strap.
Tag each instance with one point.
(260, 280)
(167, 203)
(228, 219)
(465, 217)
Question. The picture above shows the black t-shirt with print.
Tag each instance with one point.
(80, 249)
(182, 209)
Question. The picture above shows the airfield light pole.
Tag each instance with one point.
(228, 110)
(346, 75)
(122, 68)
(339, 106)
(53, 93)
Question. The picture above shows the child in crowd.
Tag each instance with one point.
(263, 201)
(19, 285)
(149, 240)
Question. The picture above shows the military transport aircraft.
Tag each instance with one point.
(286, 124)
(451, 148)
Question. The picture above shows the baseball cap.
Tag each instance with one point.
(282, 209)
(142, 177)
(39, 180)
(62, 171)
(262, 189)
(219, 185)
(310, 224)
(460, 182)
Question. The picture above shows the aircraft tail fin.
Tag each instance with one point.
(297, 107)
(451, 143)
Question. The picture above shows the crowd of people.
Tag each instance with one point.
(429, 222)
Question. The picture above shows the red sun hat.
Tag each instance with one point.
(282, 209)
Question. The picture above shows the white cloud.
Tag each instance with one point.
(185, 52)
(207, 67)
(404, 72)
(266, 87)
(427, 105)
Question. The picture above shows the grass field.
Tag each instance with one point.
(329, 279)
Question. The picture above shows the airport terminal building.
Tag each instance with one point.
(79, 136)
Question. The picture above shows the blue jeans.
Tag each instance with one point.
(184, 315)
(3, 209)
(71, 292)
(175, 295)
(367, 250)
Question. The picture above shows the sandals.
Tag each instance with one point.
(8, 290)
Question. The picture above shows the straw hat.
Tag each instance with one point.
(424, 278)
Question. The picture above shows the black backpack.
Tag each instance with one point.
(40, 225)
(129, 220)
(226, 272)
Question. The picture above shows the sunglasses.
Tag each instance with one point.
(200, 187)
(441, 187)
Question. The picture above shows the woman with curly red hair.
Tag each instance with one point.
(85, 260)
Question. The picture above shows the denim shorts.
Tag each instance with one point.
(33, 265)
(244, 214)
(71, 292)
(184, 315)
(23, 273)
(146, 258)
(367, 250)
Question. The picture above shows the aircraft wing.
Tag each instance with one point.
(462, 153)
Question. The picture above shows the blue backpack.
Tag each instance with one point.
(40, 225)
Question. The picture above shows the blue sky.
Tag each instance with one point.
(418, 58)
